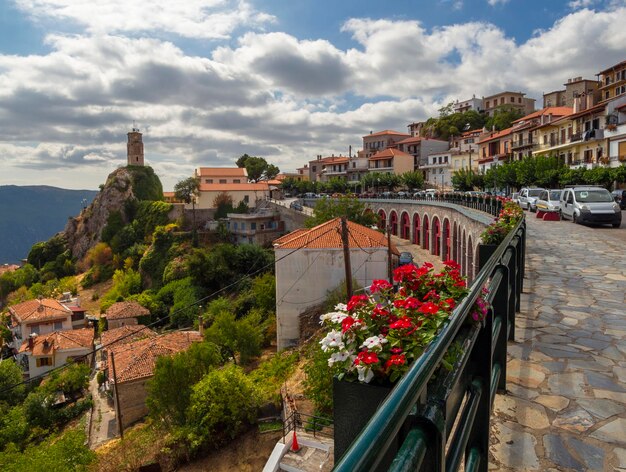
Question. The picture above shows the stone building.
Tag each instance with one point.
(124, 313)
(134, 148)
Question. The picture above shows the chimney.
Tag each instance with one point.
(576, 104)
(350, 151)
(31, 341)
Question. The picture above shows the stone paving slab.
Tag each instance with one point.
(565, 407)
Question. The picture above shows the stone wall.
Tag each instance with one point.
(293, 219)
(132, 397)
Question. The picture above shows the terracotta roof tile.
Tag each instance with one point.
(137, 360)
(556, 111)
(328, 236)
(121, 310)
(126, 334)
(39, 309)
(47, 344)
(389, 153)
(222, 172)
(412, 139)
(499, 134)
(385, 132)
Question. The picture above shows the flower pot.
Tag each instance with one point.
(354, 404)
(485, 251)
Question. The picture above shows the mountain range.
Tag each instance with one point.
(33, 213)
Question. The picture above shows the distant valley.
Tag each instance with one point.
(34, 213)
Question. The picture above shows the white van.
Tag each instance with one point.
(590, 205)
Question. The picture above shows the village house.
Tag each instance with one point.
(260, 227)
(232, 181)
(494, 148)
(124, 313)
(305, 278)
(135, 362)
(122, 335)
(47, 351)
(39, 316)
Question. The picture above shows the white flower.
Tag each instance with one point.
(341, 307)
(337, 317)
(373, 342)
(340, 356)
(332, 340)
(365, 373)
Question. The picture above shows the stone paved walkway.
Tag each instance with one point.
(566, 375)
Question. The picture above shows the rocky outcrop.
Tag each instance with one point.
(83, 231)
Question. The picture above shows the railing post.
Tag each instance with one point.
(434, 423)
(512, 288)
(500, 308)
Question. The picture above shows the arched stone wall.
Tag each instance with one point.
(393, 222)
(459, 234)
(436, 237)
(382, 216)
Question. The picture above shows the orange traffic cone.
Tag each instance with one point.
(295, 447)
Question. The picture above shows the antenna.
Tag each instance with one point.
(135, 126)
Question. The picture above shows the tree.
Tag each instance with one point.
(346, 205)
(242, 337)
(503, 116)
(466, 179)
(257, 168)
(413, 180)
(170, 388)
(10, 375)
(186, 190)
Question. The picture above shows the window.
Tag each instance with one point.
(58, 325)
(243, 226)
(44, 361)
(235, 225)
(236, 181)
(487, 104)
(34, 329)
(512, 99)
(253, 226)
(208, 181)
(519, 100)
(222, 181)
(501, 100)
(246, 198)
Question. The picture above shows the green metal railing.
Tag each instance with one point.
(441, 421)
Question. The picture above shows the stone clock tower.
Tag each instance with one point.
(134, 148)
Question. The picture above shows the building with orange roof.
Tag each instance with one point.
(515, 100)
(612, 81)
(232, 181)
(170, 197)
(523, 143)
(390, 161)
(48, 351)
(124, 313)
(494, 147)
(379, 141)
(315, 267)
(420, 148)
(38, 316)
(322, 169)
(135, 362)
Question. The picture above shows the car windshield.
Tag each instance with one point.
(593, 196)
(534, 192)
(555, 194)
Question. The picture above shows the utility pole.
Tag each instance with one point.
(118, 410)
(389, 267)
(346, 255)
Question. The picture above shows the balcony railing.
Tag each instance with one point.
(423, 432)
(523, 143)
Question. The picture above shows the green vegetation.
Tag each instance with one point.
(346, 205)
(257, 168)
(146, 184)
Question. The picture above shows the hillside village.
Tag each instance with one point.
(206, 295)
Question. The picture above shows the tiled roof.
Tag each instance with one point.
(328, 236)
(126, 334)
(39, 309)
(47, 344)
(336, 160)
(619, 65)
(593, 109)
(121, 310)
(8, 268)
(291, 235)
(556, 111)
(136, 360)
(222, 172)
(499, 134)
(169, 194)
(385, 132)
(412, 139)
(389, 153)
(261, 186)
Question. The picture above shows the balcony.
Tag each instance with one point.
(522, 143)
(612, 131)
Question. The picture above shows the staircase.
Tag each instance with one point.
(315, 455)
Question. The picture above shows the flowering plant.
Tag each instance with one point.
(378, 336)
(510, 214)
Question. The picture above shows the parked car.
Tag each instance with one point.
(528, 198)
(549, 200)
(590, 205)
(515, 197)
(296, 205)
(405, 258)
(620, 198)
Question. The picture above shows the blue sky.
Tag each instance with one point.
(209, 80)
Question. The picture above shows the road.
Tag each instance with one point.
(566, 374)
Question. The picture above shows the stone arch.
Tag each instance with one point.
(425, 230)
(416, 229)
(436, 237)
(405, 226)
(470, 258)
(382, 217)
(393, 222)
(446, 239)
(463, 253)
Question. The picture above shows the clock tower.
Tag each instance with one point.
(134, 148)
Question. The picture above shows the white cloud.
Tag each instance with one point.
(210, 19)
(576, 4)
(493, 3)
(268, 94)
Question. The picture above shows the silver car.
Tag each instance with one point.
(528, 198)
(549, 201)
(590, 205)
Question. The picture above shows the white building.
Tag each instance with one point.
(39, 316)
(313, 266)
(438, 170)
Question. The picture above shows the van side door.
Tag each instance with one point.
(567, 203)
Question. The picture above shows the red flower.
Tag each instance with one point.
(431, 294)
(429, 308)
(357, 301)
(450, 302)
(402, 323)
(452, 264)
(460, 283)
(380, 311)
(379, 285)
(347, 323)
(366, 357)
(396, 359)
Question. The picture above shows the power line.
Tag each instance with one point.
(191, 305)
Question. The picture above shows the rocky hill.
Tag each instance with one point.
(29, 214)
(124, 184)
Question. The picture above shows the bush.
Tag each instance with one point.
(238, 338)
(318, 384)
(125, 283)
(223, 404)
(271, 374)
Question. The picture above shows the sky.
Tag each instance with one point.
(209, 80)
